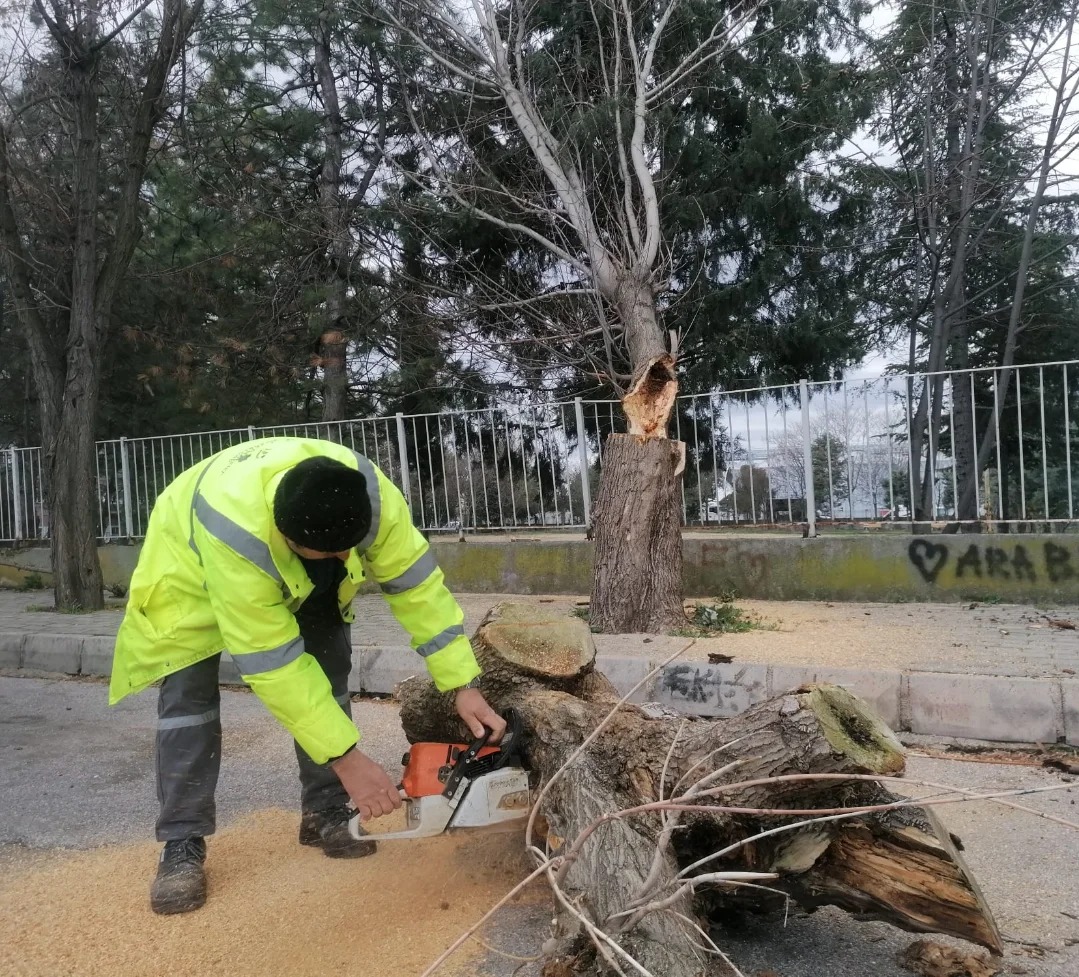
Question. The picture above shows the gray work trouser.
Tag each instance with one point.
(188, 750)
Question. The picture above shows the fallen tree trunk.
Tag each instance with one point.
(631, 876)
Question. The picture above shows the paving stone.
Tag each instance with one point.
(384, 668)
(985, 707)
(624, 673)
(786, 678)
(355, 677)
(52, 653)
(96, 656)
(1070, 691)
(11, 645)
(711, 690)
(228, 673)
(880, 689)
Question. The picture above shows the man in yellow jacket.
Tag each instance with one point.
(259, 550)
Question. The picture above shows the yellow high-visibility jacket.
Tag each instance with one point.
(215, 574)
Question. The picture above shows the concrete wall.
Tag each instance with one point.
(16, 565)
(892, 567)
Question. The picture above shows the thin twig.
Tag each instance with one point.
(464, 937)
(592, 736)
(712, 944)
(502, 953)
(604, 943)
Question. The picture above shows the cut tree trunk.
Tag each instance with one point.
(637, 570)
(333, 346)
(637, 576)
(899, 865)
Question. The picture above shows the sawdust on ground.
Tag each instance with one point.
(275, 909)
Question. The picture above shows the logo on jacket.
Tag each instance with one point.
(246, 455)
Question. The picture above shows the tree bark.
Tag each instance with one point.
(967, 471)
(64, 310)
(637, 570)
(333, 343)
(637, 577)
(71, 486)
(900, 865)
(70, 453)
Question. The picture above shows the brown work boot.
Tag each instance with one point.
(180, 885)
(328, 830)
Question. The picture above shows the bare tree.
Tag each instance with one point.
(300, 99)
(968, 85)
(592, 203)
(340, 194)
(1061, 143)
(64, 295)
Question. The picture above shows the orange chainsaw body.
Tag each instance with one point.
(428, 766)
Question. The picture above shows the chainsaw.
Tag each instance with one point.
(447, 786)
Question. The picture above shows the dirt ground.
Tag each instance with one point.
(968, 637)
(275, 909)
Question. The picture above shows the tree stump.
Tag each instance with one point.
(637, 568)
(900, 865)
(637, 575)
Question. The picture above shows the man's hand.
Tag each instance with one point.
(473, 709)
(367, 784)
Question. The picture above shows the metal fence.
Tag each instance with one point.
(990, 445)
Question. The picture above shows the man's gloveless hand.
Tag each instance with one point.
(371, 790)
(472, 707)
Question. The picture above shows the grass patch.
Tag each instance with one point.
(721, 617)
(584, 613)
(32, 581)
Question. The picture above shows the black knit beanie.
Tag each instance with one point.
(322, 504)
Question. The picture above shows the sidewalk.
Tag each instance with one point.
(995, 672)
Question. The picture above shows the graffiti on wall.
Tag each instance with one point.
(711, 690)
(1021, 563)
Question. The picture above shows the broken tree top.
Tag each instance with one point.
(648, 879)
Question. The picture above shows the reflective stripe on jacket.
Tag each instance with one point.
(215, 574)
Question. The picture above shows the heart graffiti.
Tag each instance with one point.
(928, 558)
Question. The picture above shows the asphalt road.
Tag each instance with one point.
(76, 774)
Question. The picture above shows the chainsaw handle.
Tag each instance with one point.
(508, 748)
(460, 764)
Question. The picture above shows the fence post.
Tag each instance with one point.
(582, 455)
(250, 432)
(807, 457)
(16, 492)
(125, 489)
(402, 451)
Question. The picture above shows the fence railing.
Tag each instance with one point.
(976, 445)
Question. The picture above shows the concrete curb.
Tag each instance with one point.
(1001, 709)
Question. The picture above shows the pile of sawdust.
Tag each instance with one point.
(275, 908)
